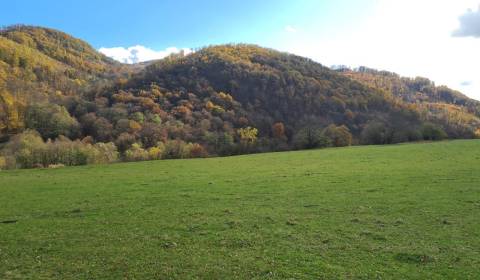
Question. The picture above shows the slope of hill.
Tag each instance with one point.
(454, 109)
(271, 87)
(44, 65)
(60, 47)
(220, 100)
(409, 89)
(267, 87)
(405, 211)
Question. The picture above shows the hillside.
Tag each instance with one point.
(44, 65)
(454, 109)
(271, 87)
(59, 46)
(405, 211)
(220, 100)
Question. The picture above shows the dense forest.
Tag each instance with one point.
(458, 114)
(63, 103)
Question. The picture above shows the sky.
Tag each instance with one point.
(437, 39)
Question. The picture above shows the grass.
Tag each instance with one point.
(407, 211)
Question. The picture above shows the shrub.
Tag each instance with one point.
(105, 153)
(136, 153)
(376, 133)
(339, 136)
(477, 133)
(198, 151)
(176, 149)
(406, 135)
(248, 135)
(27, 150)
(124, 141)
(221, 143)
(156, 152)
(151, 134)
(433, 132)
(310, 138)
(3, 162)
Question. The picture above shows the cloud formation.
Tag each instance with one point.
(139, 53)
(469, 24)
(290, 29)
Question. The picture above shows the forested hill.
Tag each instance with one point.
(267, 87)
(58, 46)
(220, 100)
(452, 107)
(45, 65)
(413, 90)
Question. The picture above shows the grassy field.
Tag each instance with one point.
(402, 211)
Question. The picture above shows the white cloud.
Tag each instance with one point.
(139, 53)
(410, 37)
(290, 29)
(469, 24)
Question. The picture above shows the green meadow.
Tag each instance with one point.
(409, 211)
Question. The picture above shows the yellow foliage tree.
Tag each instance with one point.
(214, 108)
(477, 133)
(11, 112)
(248, 134)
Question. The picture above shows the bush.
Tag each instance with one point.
(136, 153)
(125, 141)
(310, 138)
(176, 149)
(3, 163)
(105, 152)
(198, 151)
(406, 135)
(156, 152)
(248, 139)
(151, 134)
(27, 150)
(433, 132)
(221, 143)
(376, 133)
(339, 136)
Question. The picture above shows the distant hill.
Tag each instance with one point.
(220, 100)
(452, 108)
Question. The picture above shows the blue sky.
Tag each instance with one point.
(162, 24)
(435, 39)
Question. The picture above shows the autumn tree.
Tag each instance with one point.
(433, 132)
(376, 133)
(278, 130)
(124, 141)
(248, 135)
(310, 138)
(102, 129)
(51, 120)
(339, 136)
(151, 133)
